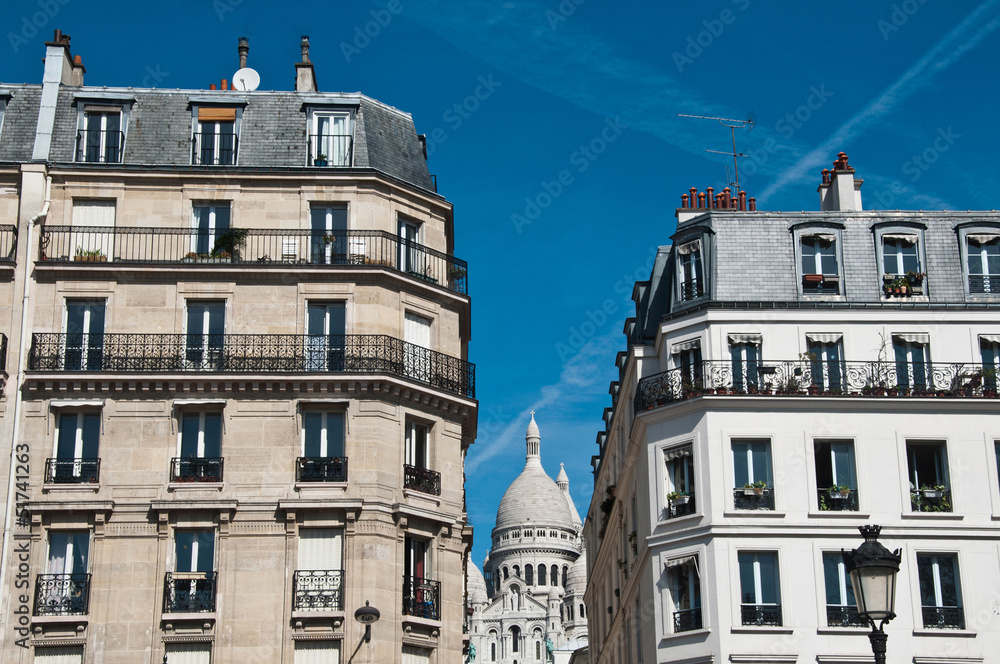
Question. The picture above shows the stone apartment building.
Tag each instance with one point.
(790, 376)
(237, 392)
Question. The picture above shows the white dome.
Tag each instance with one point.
(476, 584)
(576, 577)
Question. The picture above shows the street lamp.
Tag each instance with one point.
(873, 570)
(367, 616)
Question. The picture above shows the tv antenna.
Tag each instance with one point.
(733, 124)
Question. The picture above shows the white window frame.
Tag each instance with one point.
(324, 430)
(84, 128)
(213, 231)
(314, 136)
(687, 271)
(199, 129)
(689, 559)
(201, 430)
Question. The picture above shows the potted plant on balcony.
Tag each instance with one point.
(320, 160)
(90, 255)
(789, 385)
(933, 492)
(916, 281)
(230, 242)
(755, 489)
(840, 492)
(678, 498)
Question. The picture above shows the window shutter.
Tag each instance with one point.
(413, 655)
(209, 114)
(320, 548)
(316, 652)
(65, 655)
(95, 214)
(189, 653)
(418, 330)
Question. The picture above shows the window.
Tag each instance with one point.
(421, 595)
(940, 591)
(76, 459)
(754, 488)
(84, 326)
(744, 349)
(841, 607)
(515, 639)
(912, 359)
(983, 255)
(835, 478)
(93, 236)
(680, 481)
(760, 594)
(827, 370)
(411, 255)
(205, 335)
(323, 458)
(190, 587)
(59, 654)
(414, 655)
(64, 588)
(691, 277)
(416, 353)
(820, 272)
(989, 349)
(319, 577)
(416, 444)
(100, 138)
(901, 265)
(417, 474)
(326, 324)
(215, 137)
(199, 448)
(328, 243)
(541, 575)
(493, 650)
(686, 357)
(930, 489)
(330, 139)
(554, 575)
(209, 221)
(316, 652)
(189, 653)
(529, 575)
(684, 583)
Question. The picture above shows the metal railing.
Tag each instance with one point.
(984, 284)
(838, 501)
(943, 617)
(334, 149)
(318, 590)
(422, 480)
(205, 152)
(687, 620)
(843, 616)
(691, 289)
(196, 469)
(8, 243)
(62, 594)
(930, 500)
(89, 144)
(421, 598)
(761, 615)
(253, 353)
(321, 469)
(797, 378)
(72, 471)
(821, 284)
(680, 507)
(189, 592)
(753, 498)
(261, 246)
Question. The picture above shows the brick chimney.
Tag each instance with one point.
(840, 191)
(305, 75)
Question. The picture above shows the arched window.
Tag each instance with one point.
(517, 570)
(565, 574)
(496, 583)
(538, 650)
(570, 607)
(515, 638)
(583, 613)
(541, 575)
(493, 652)
(506, 573)
(554, 576)
(529, 575)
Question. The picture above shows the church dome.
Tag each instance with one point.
(534, 498)
(576, 577)
(476, 585)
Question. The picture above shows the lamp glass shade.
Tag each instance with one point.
(875, 591)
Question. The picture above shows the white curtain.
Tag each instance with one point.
(189, 653)
(316, 652)
(320, 548)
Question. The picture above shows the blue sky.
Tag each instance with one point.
(566, 170)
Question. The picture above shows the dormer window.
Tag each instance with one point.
(983, 263)
(216, 138)
(820, 269)
(330, 139)
(100, 138)
(692, 281)
(901, 261)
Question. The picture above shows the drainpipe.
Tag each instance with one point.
(18, 383)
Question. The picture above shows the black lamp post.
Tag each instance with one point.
(873, 570)
(367, 616)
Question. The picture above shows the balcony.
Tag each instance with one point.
(421, 598)
(927, 499)
(318, 590)
(189, 592)
(422, 480)
(252, 353)
(211, 149)
(321, 469)
(805, 378)
(843, 616)
(72, 471)
(943, 617)
(903, 285)
(753, 498)
(196, 469)
(680, 506)
(984, 284)
(821, 284)
(761, 615)
(835, 500)
(96, 246)
(688, 620)
(691, 289)
(100, 146)
(8, 243)
(62, 594)
(330, 150)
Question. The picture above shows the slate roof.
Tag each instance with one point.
(17, 137)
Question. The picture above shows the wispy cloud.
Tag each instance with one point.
(949, 50)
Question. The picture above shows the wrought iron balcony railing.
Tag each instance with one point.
(691, 289)
(930, 500)
(8, 243)
(72, 471)
(97, 244)
(843, 616)
(833, 500)
(62, 594)
(421, 598)
(681, 506)
(329, 150)
(422, 480)
(100, 146)
(687, 620)
(761, 615)
(799, 378)
(214, 149)
(321, 469)
(196, 469)
(753, 498)
(189, 592)
(943, 617)
(252, 353)
(984, 284)
(318, 590)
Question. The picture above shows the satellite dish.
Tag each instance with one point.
(246, 80)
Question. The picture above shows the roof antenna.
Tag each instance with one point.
(750, 122)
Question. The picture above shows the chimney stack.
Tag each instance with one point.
(70, 69)
(243, 49)
(305, 74)
(839, 190)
